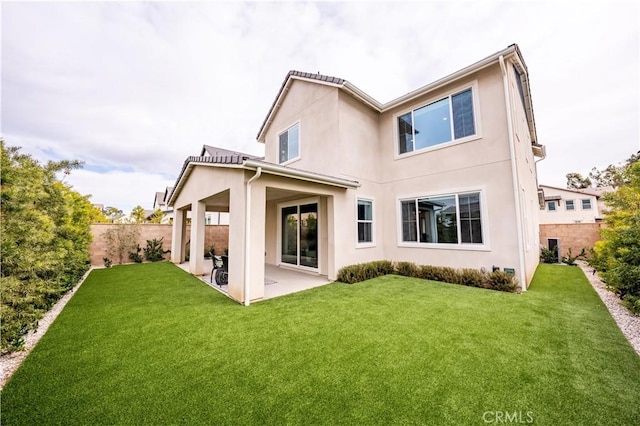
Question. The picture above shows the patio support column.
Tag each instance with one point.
(178, 232)
(332, 274)
(196, 255)
(257, 240)
(236, 240)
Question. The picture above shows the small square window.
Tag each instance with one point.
(569, 205)
(289, 144)
(551, 206)
(586, 204)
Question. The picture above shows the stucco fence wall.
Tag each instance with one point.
(574, 236)
(215, 235)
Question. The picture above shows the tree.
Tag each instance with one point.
(577, 181)
(617, 255)
(156, 216)
(138, 215)
(44, 240)
(613, 176)
(113, 214)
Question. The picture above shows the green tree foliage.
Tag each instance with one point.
(44, 240)
(113, 214)
(120, 240)
(138, 215)
(577, 181)
(618, 254)
(156, 216)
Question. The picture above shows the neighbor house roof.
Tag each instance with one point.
(158, 200)
(342, 84)
(232, 159)
(214, 151)
(594, 192)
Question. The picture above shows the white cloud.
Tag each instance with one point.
(137, 87)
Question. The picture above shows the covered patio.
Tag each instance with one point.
(282, 226)
(278, 281)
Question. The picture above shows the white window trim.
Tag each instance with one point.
(484, 219)
(554, 203)
(372, 243)
(476, 117)
(286, 129)
(279, 261)
(574, 206)
(582, 204)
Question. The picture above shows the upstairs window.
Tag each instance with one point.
(570, 205)
(290, 144)
(586, 204)
(551, 206)
(447, 119)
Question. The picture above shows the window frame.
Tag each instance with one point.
(473, 86)
(582, 200)
(553, 203)
(372, 243)
(286, 130)
(573, 205)
(484, 221)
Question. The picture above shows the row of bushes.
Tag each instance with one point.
(496, 280)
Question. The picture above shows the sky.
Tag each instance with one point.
(134, 88)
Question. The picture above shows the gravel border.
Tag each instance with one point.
(629, 324)
(10, 362)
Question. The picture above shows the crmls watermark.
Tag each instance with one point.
(507, 417)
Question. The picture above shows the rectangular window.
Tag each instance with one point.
(289, 143)
(437, 123)
(447, 219)
(586, 204)
(365, 221)
(551, 206)
(569, 205)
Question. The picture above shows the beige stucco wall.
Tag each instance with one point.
(562, 215)
(340, 136)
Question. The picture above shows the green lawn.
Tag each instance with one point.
(151, 344)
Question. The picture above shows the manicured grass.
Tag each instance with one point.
(150, 344)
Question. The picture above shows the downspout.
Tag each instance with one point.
(514, 177)
(247, 236)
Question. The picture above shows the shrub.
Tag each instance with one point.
(364, 271)
(407, 269)
(501, 281)
(548, 255)
(472, 277)
(107, 262)
(571, 260)
(120, 240)
(153, 251)
(211, 251)
(135, 255)
(633, 303)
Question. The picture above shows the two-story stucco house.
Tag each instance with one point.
(444, 175)
(566, 206)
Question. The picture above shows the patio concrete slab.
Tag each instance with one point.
(279, 281)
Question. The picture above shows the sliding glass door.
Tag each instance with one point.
(299, 238)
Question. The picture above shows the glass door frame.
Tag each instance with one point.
(298, 203)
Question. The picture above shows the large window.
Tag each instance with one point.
(289, 143)
(365, 221)
(446, 219)
(436, 123)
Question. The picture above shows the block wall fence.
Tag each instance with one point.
(574, 236)
(215, 235)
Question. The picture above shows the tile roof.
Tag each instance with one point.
(214, 151)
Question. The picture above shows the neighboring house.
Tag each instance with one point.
(444, 175)
(563, 205)
(160, 202)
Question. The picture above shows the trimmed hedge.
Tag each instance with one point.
(498, 280)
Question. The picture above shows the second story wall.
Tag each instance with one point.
(486, 144)
(313, 108)
(567, 206)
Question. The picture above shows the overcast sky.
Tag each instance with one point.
(132, 89)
